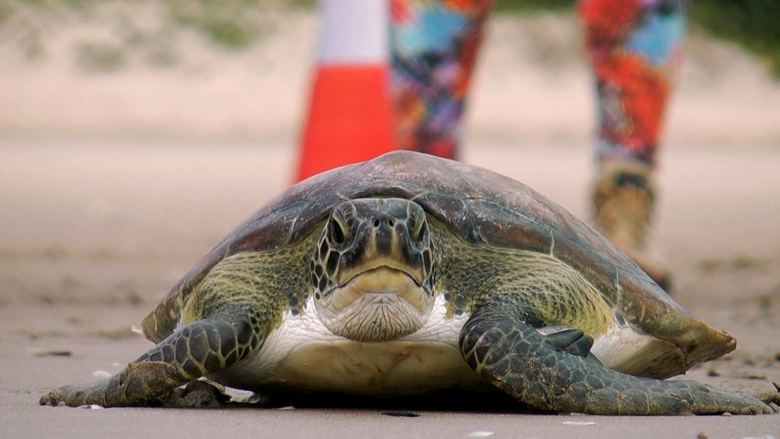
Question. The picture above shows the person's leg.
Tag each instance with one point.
(636, 50)
(434, 46)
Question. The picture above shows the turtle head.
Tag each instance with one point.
(373, 270)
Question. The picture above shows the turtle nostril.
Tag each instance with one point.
(376, 223)
(390, 222)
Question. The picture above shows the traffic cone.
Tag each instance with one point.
(350, 115)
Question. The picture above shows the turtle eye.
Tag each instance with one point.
(337, 234)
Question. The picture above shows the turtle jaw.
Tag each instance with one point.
(379, 304)
(382, 283)
(376, 271)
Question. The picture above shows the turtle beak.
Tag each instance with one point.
(388, 264)
(382, 281)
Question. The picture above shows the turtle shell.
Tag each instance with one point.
(482, 208)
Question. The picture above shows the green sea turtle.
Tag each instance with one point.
(409, 274)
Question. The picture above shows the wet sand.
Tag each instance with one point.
(93, 234)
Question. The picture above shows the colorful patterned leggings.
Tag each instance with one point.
(635, 49)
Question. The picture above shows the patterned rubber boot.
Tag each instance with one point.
(623, 201)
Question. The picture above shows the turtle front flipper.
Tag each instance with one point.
(195, 350)
(516, 358)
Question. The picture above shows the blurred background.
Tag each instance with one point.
(239, 70)
(134, 134)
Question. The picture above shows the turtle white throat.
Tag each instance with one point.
(372, 271)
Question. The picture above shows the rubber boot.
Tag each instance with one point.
(623, 201)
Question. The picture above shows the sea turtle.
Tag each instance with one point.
(409, 274)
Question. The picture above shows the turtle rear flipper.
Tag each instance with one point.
(197, 349)
(516, 358)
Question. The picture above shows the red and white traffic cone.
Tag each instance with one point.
(350, 114)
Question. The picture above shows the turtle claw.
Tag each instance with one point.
(571, 340)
